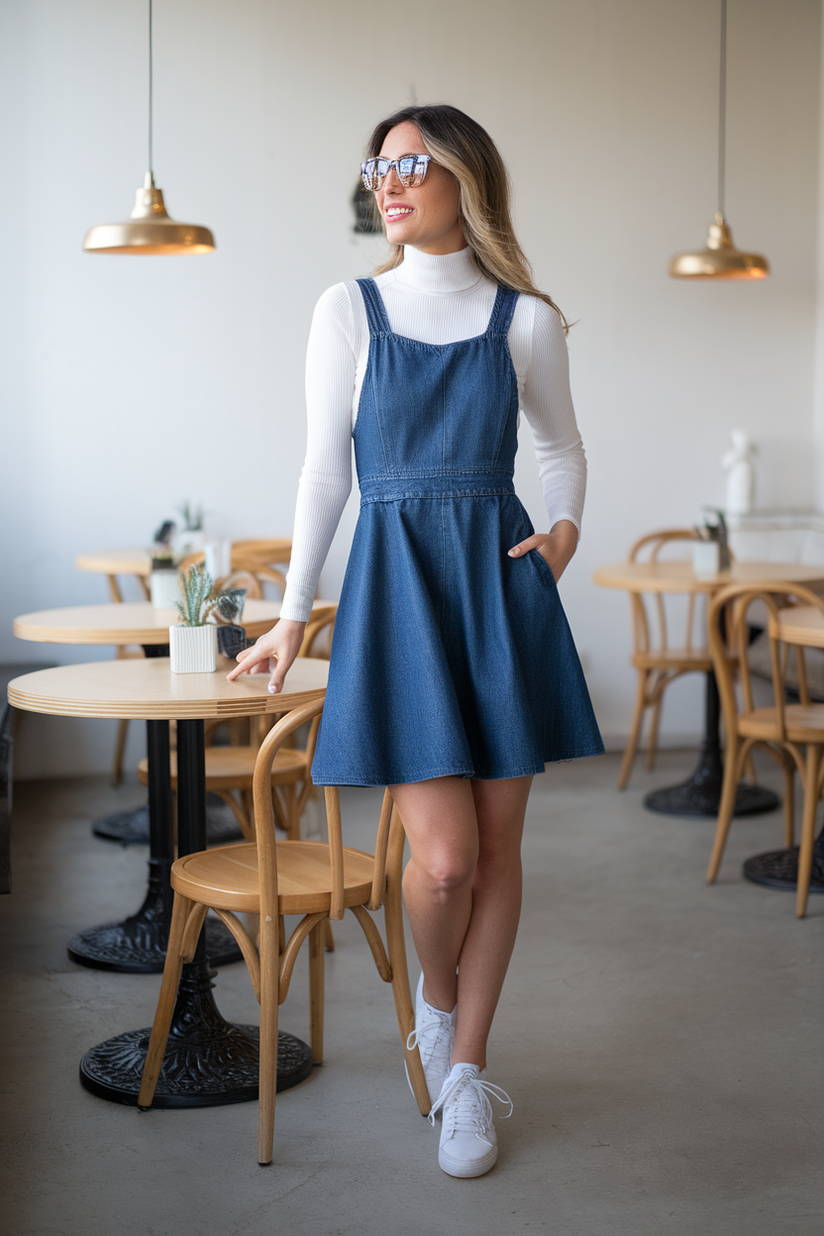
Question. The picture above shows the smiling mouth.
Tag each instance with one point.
(398, 212)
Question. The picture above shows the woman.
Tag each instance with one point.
(453, 676)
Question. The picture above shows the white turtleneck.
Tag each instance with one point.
(434, 299)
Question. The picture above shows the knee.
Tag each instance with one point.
(447, 874)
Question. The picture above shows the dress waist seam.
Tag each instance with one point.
(440, 495)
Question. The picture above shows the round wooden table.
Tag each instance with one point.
(209, 1061)
(137, 562)
(137, 944)
(802, 624)
(128, 622)
(700, 794)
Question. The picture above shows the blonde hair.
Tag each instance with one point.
(464, 148)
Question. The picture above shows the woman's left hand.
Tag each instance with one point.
(555, 547)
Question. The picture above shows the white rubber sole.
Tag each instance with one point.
(466, 1170)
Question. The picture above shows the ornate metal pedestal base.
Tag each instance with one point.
(137, 945)
(208, 1061)
(132, 827)
(700, 795)
(779, 869)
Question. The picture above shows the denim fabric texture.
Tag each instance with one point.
(449, 657)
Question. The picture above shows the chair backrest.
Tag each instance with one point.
(321, 622)
(261, 551)
(389, 841)
(265, 816)
(730, 623)
(650, 621)
(253, 564)
(252, 576)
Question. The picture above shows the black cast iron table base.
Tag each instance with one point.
(132, 827)
(137, 945)
(779, 868)
(700, 794)
(208, 1062)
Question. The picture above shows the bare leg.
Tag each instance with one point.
(440, 822)
(462, 890)
(496, 910)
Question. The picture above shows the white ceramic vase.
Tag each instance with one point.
(705, 558)
(165, 589)
(193, 650)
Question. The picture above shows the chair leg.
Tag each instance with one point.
(652, 737)
(805, 853)
(269, 1001)
(317, 941)
(119, 748)
(166, 1001)
(396, 952)
(789, 802)
(749, 768)
(732, 770)
(635, 730)
(330, 939)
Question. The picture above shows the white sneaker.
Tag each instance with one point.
(468, 1145)
(434, 1035)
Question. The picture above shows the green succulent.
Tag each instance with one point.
(199, 596)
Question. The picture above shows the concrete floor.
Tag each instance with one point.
(660, 1040)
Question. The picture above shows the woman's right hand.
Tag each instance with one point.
(273, 653)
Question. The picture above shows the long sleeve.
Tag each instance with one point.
(547, 405)
(326, 479)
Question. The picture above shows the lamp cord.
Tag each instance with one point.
(151, 163)
(722, 107)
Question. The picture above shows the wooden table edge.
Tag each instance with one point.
(243, 706)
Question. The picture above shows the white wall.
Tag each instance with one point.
(129, 384)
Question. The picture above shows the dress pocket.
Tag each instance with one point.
(543, 566)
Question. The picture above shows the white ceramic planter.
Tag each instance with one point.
(165, 589)
(705, 559)
(193, 650)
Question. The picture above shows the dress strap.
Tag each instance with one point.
(502, 311)
(375, 308)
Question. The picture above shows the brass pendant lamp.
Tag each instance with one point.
(720, 259)
(148, 229)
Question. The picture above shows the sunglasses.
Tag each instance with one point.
(411, 171)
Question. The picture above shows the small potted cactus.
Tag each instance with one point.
(710, 553)
(193, 642)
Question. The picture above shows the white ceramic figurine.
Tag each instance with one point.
(741, 478)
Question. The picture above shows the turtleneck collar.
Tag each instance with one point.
(438, 273)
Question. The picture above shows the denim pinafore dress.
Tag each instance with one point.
(449, 657)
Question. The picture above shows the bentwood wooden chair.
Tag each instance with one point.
(660, 656)
(792, 734)
(271, 878)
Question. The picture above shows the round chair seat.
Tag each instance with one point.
(227, 877)
(232, 768)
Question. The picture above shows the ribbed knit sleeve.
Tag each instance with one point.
(547, 405)
(326, 478)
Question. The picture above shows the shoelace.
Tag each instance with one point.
(441, 1023)
(470, 1110)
